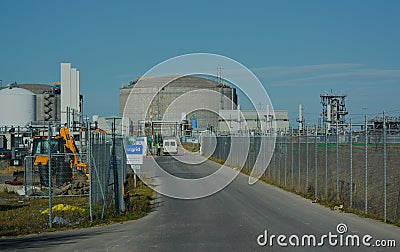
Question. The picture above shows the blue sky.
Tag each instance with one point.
(298, 49)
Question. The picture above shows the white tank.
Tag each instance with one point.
(17, 107)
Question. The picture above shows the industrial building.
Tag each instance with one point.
(219, 112)
(28, 103)
(27, 106)
(39, 103)
(211, 95)
(261, 122)
(333, 109)
(71, 99)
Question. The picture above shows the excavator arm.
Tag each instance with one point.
(70, 147)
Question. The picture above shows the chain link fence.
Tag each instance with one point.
(95, 177)
(103, 165)
(357, 170)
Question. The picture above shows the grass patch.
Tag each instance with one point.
(216, 160)
(20, 215)
(192, 147)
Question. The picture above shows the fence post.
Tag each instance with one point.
(326, 162)
(115, 168)
(270, 164)
(315, 163)
(384, 167)
(291, 170)
(298, 154)
(280, 160)
(273, 164)
(105, 175)
(337, 161)
(306, 159)
(285, 175)
(49, 166)
(351, 163)
(366, 164)
(89, 163)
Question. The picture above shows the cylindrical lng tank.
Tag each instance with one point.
(18, 107)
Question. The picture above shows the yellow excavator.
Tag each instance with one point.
(60, 144)
(65, 156)
(70, 147)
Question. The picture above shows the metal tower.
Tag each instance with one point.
(333, 109)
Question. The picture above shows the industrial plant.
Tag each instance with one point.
(33, 106)
(219, 112)
(62, 153)
(52, 149)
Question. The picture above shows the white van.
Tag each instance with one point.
(170, 146)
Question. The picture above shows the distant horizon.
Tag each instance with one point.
(297, 50)
(246, 105)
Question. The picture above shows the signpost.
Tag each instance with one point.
(134, 155)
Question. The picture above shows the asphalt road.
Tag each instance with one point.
(230, 220)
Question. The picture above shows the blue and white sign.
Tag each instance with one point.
(134, 154)
(134, 149)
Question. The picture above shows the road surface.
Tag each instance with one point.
(230, 220)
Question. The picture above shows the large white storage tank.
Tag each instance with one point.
(17, 107)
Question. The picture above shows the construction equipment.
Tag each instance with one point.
(70, 147)
(101, 131)
(64, 157)
(60, 144)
